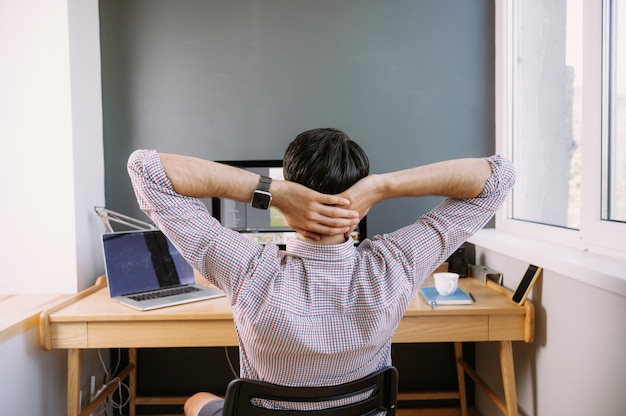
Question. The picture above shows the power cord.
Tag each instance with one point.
(110, 401)
(116, 405)
(230, 364)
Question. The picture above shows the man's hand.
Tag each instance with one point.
(311, 213)
(460, 178)
(364, 194)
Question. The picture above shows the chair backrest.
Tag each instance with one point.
(243, 396)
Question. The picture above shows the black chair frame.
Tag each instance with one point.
(382, 385)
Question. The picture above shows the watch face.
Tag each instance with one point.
(261, 200)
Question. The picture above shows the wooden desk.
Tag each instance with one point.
(92, 320)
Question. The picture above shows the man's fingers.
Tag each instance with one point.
(335, 223)
(338, 213)
(335, 200)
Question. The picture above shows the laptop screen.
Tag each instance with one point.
(139, 261)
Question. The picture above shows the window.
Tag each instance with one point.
(615, 177)
(561, 118)
(546, 111)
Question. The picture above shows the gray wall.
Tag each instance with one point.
(411, 81)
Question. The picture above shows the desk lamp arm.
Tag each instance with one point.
(107, 216)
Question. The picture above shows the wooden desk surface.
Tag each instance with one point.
(93, 320)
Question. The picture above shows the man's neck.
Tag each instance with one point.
(325, 239)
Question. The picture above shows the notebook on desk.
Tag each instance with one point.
(459, 297)
(145, 271)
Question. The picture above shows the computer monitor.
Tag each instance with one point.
(263, 226)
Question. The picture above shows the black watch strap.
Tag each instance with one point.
(264, 183)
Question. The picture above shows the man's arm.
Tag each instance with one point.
(305, 210)
(460, 178)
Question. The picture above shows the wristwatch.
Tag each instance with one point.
(261, 197)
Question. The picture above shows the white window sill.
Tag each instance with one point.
(605, 272)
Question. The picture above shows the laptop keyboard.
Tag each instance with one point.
(164, 293)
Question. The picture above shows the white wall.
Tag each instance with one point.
(576, 366)
(51, 163)
(33, 382)
(51, 157)
(36, 158)
(88, 154)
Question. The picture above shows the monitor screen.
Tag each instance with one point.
(263, 226)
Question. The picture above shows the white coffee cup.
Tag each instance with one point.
(446, 283)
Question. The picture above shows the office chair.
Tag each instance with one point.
(383, 385)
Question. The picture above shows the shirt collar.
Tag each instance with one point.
(315, 251)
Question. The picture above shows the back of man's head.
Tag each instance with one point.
(325, 160)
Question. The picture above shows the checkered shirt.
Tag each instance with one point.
(314, 314)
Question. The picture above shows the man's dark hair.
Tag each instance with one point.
(325, 160)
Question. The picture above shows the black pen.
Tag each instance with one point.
(472, 296)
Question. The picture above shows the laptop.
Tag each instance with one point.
(145, 271)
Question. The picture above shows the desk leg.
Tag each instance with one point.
(508, 377)
(132, 380)
(73, 381)
(460, 372)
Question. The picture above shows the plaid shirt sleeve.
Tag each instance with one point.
(218, 253)
(427, 243)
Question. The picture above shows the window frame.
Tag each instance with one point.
(595, 235)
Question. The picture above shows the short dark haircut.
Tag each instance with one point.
(325, 160)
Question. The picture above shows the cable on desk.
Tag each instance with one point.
(230, 364)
